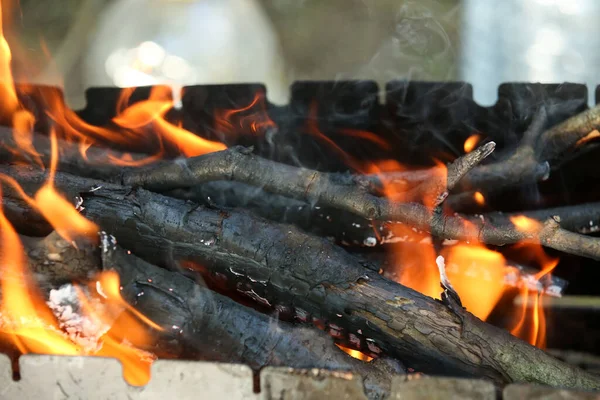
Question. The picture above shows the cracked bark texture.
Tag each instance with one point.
(238, 164)
(219, 329)
(279, 265)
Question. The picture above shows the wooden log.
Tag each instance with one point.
(279, 265)
(218, 329)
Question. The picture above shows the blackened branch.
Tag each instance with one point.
(524, 165)
(239, 164)
(217, 328)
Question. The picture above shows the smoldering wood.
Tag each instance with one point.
(416, 215)
(93, 165)
(521, 166)
(554, 142)
(438, 188)
(239, 164)
(54, 261)
(344, 227)
(279, 265)
(582, 218)
(219, 329)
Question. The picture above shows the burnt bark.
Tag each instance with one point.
(344, 227)
(563, 137)
(219, 329)
(240, 165)
(280, 265)
(521, 166)
(582, 218)
(55, 261)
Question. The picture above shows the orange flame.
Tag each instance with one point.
(312, 127)
(253, 117)
(7, 89)
(23, 122)
(366, 135)
(150, 113)
(355, 353)
(479, 199)
(531, 322)
(31, 326)
(471, 142)
(26, 319)
(477, 273)
(524, 224)
(412, 251)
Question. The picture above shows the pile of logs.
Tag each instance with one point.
(235, 260)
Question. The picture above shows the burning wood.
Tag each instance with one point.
(257, 230)
(214, 327)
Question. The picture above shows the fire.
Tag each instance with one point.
(25, 318)
(7, 90)
(30, 324)
(312, 127)
(479, 199)
(355, 353)
(61, 214)
(151, 113)
(23, 122)
(252, 117)
(471, 142)
(366, 135)
(477, 273)
(525, 224)
(531, 322)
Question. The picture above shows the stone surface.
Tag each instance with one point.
(172, 379)
(428, 388)
(535, 392)
(289, 384)
(61, 377)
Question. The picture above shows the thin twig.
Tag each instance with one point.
(523, 166)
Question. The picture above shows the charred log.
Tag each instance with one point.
(344, 227)
(219, 329)
(240, 165)
(279, 265)
(54, 261)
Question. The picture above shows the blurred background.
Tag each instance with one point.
(83, 43)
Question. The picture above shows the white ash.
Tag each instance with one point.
(441, 264)
(79, 203)
(449, 242)
(81, 329)
(108, 242)
(370, 241)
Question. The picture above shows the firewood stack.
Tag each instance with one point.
(272, 247)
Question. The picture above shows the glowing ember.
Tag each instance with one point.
(355, 353)
(471, 142)
(479, 199)
(525, 224)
